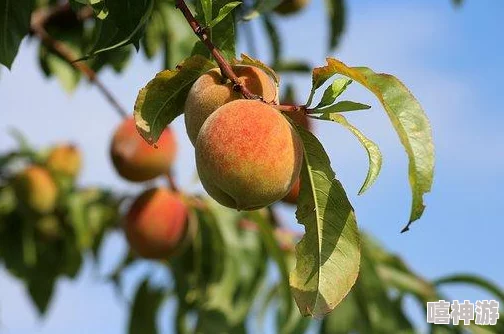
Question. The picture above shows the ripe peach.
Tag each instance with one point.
(212, 90)
(248, 155)
(288, 7)
(36, 189)
(156, 223)
(134, 159)
(64, 160)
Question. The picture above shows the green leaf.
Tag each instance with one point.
(292, 66)
(376, 308)
(163, 98)
(333, 91)
(261, 6)
(327, 257)
(222, 34)
(144, 310)
(342, 106)
(274, 38)
(374, 154)
(223, 13)
(337, 18)
(206, 6)
(408, 119)
(41, 289)
(472, 280)
(14, 26)
(123, 25)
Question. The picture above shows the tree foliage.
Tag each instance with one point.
(222, 275)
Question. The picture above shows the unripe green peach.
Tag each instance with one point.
(212, 90)
(288, 7)
(137, 161)
(156, 223)
(64, 160)
(36, 189)
(248, 155)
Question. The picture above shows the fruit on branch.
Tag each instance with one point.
(288, 7)
(248, 155)
(302, 120)
(156, 223)
(64, 160)
(137, 161)
(212, 90)
(36, 189)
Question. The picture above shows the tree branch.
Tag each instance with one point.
(225, 67)
(42, 17)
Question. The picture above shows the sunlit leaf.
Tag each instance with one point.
(327, 257)
(408, 119)
(342, 106)
(223, 13)
(163, 98)
(374, 154)
(334, 91)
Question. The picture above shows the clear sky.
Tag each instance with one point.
(450, 59)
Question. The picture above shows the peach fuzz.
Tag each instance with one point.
(248, 156)
(212, 90)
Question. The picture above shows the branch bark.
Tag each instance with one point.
(42, 17)
(225, 67)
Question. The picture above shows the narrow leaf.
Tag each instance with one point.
(274, 38)
(14, 26)
(223, 12)
(163, 98)
(374, 154)
(342, 106)
(472, 280)
(206, 6)
(337, 17)
(333, 91)
(408, 119)
(144, 310)
(328, 256)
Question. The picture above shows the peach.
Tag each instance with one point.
(248, 155)
(156, 223)
(212, 90)
(64, 160)
(137, 161)
(288, 7)
(36, 189)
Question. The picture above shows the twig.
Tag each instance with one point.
(225, 67)
(41, 18)
(171, 182)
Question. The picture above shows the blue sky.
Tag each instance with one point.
(450, 59)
